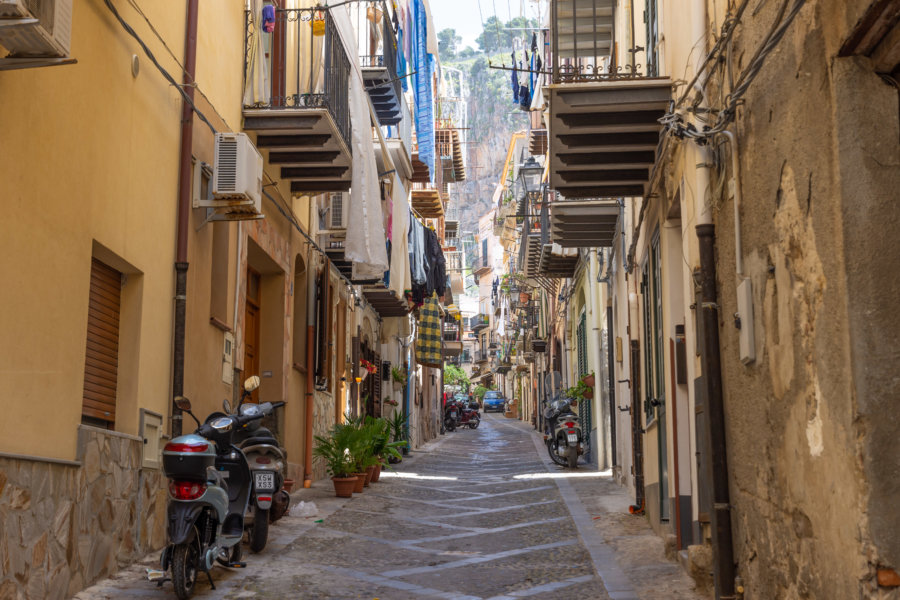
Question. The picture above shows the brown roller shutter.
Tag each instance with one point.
(102, 357)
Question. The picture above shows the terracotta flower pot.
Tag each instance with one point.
(588, 394)
(343, 486)
(288, 485)
(370, 471)
(376, 474)
(588, 380)
(360, 482)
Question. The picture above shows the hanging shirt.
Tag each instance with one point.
(417, 251)
(515, 80)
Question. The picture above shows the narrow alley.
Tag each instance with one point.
(476, 514)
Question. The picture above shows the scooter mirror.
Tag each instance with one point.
(183, 403)
(252, 383)
(226, 406)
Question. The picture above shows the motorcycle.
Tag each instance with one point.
(563, 433)
(209, 490)
(458, 415)
(268, 499)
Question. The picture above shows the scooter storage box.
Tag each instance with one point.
(185, 458)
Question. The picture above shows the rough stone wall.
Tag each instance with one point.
(323, 421)
(797, 442)
(65, 526)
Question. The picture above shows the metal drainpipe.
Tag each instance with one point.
(723, 552)
(185, 181)
(310, 367)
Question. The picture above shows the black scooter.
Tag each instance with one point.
(563, 433)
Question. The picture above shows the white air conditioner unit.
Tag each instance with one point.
(36, 28)
(237, 174)
(336, 216)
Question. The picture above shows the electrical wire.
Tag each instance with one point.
(160, 68)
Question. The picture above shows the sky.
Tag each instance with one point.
(463, 15)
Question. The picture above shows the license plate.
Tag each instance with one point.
(453, 414)
(572, 438)
(264, 481)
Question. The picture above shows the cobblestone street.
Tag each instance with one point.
(475, 515)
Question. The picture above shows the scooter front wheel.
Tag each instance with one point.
(474, 423)
(185, 559)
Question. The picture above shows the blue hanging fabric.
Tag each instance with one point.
(423, 65)
(401, 60)
(515, 80)
(534, 64)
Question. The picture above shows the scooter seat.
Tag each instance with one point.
(256, 440)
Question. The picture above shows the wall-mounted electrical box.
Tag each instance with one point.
(151, 432)
(228, 358)
(745, 314)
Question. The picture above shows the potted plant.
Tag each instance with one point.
(398, 375)
(398, 435)
(335, 451)
(588, 379)
(382, 446)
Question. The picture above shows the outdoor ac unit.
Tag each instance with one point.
(36, 28)
(336, 218)
(238, 173)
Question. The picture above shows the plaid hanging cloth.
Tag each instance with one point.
(428, 341)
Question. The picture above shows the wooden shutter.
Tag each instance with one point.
(101, 361)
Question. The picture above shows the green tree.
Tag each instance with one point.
(448, 43)
(454, 375)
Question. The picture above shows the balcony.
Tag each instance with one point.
(379, 64)
(604, 123)
(481, 321)
(399, 142)
(427, 201)
(481, 267)
(336, 254)
(449, 150)
(385, 302)
(298, 106)
(584, 224)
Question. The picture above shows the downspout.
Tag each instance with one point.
(185, 181)
(310, 368)
(710, 361)
(593, 276)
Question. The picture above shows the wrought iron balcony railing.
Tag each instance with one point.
(305, 65)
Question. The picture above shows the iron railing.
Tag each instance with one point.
(293, 84)
(382, 46)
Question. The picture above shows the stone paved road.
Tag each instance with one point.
(477, 515)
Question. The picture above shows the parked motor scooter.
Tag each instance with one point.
(209, 489)
(456, 414)
(268, 499)
(563, 433)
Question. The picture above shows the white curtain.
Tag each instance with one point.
(366, 239)
(257, 88)
(400, 275)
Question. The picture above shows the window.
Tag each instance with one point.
(101, 363)
(654, 390)
(651, 18)
(298, 355)
(584, 408)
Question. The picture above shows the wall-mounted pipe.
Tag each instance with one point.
(738, 200)
(185, 183)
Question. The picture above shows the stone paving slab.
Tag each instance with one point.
(476, 515)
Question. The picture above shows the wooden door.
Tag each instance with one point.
(251, 330)
(101, 361)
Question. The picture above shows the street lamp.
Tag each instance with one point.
(531, 172)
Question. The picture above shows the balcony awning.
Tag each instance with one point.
(533, 249)
(537, 142)
(385, 302)
(427, 203)
(452, 349)
(584, 224)
(604, 135)
(421, 172)
(557, 261)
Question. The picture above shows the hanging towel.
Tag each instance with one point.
(268, 18)
(257, 89)
(428, 341)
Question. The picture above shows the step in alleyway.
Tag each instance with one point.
(477, 514)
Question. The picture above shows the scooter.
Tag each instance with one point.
(458, 415)
(266, 459)
(563, 433)
(209, 489)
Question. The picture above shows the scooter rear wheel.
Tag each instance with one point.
(185, 558)
(474, 423)
(259, 533)
(553, 451)
(572, 457)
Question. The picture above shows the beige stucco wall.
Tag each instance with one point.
(97, 162)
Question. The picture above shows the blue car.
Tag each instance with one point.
(493, 400)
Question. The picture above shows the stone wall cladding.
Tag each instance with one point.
(66, 526)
